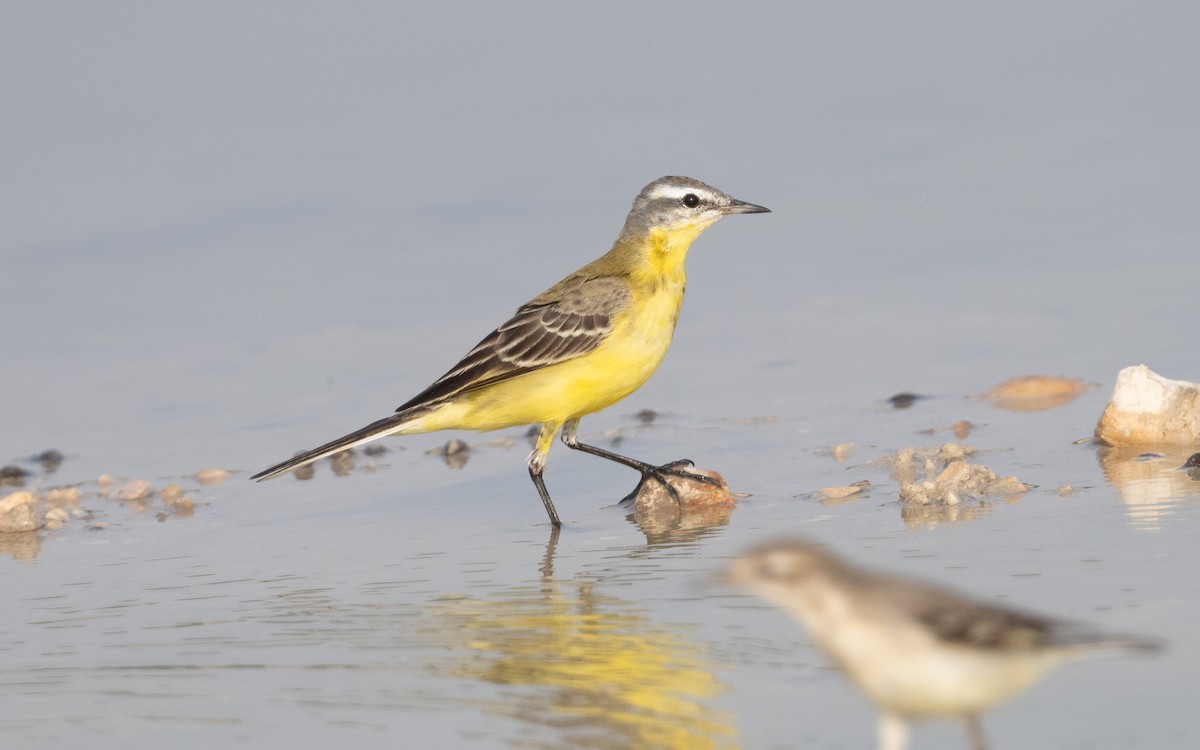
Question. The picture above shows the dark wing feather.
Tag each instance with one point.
(568, 321)
(955, 619)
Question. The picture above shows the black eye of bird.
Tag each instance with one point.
(691, 200)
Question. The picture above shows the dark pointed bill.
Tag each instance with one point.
(742, 207)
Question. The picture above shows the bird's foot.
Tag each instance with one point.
(660, 474)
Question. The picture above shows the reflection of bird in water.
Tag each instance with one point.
(916, 650)
(593, 668)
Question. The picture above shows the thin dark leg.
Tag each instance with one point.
(648, 471)
(541, 488)
(671, 468)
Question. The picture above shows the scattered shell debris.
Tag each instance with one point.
(455, 453)
(907, 463)
(133, 490)
(1147, 409)
(63, 496)
(342, 463)
(838, 495)
(961, 429)
(839, 452)
(211, 476)
(1035, 392)
(25, 515)
(172, 496)
(942, 476)
(56, 518)
(961, 480)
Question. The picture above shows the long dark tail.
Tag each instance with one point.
(378, 429)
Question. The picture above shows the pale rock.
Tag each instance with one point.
(1148, 409)
(18, 512)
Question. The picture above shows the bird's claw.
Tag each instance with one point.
(660, 473)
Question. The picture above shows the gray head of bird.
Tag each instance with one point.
(781, 564)
(677, 203)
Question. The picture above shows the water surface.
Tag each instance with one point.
(234, 233)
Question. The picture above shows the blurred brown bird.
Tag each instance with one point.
(918, 651)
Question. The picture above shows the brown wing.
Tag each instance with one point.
(956, 619)
(567, 321)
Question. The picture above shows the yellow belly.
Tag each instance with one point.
(619, 366)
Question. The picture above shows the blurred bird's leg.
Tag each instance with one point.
(648, 471)
(893, 732)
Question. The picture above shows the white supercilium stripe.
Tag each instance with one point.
(678, 191)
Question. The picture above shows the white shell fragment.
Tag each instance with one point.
(1148, 409)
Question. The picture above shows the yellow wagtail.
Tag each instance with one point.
(918, 651)
(578, 347)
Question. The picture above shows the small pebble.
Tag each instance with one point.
(172, 495)
(134, 489)
(50, 460)
(455, 452)
(16, 499)
(56, 517)
(375, 450)
(211, 476)
(690, 494)
(18, 513)
(903, 400)
(63, 496)
(342, 463)
(840, 493)
(13, 476)
(1035, 392)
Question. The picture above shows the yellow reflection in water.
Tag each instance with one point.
(610, 676)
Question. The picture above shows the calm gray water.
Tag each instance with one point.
(232, 233)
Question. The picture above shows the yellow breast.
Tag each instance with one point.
(641, 334)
